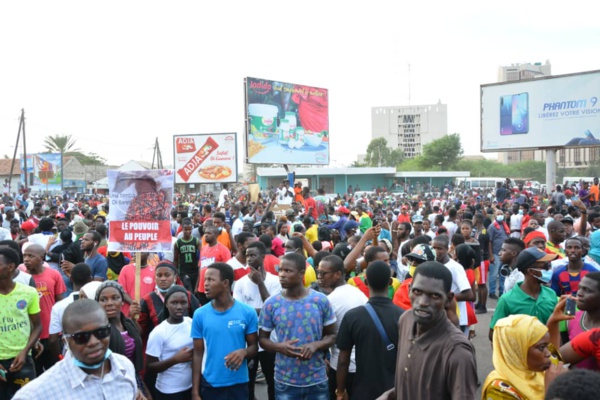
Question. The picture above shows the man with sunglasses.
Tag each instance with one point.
(89, 370)
(532, 296)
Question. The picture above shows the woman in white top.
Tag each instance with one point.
(170, 346)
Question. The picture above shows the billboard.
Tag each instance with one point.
(140, 210)
(205, 158)
(286, 123)
(547, 112)
(44, 172)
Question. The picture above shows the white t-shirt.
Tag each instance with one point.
(222, 196)
(237, 227)
(163, 343)
(452, 228)
(460, 282)
(343, 299)
(247, 291)
(512, 279)
(283, 197)
(57, 312)
(5, 234)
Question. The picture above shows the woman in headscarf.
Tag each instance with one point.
(149, 313)
(125, 337)
(170, 346)
(521, 359)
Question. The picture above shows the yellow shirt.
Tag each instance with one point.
(312, 234)
(310, 275)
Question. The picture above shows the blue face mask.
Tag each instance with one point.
(546, 275)
(80, 364)
(164, 290)
(500, 218)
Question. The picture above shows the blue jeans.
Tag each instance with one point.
(495, 274)
(319, 391)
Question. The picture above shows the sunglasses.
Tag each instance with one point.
(84, 337)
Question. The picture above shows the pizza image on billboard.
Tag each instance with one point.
(286, 123)
(205, 158)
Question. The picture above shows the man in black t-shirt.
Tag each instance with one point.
(375, 364)
(186, 254)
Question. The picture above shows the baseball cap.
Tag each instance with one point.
(355, 213)
(350, 225)
(28, 226)
(568, 192)
(422, 252)
(344, 210)
(416, 219)
(528, 256)
(567, 219)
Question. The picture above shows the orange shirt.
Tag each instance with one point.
(595, 191)
(223, 238)
(298, 195)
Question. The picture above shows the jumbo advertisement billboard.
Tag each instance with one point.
(44, 171)
(286, 123)
(559, 111)
(205, 158)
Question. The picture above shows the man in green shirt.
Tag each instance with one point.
(364, 221)
(532, 296)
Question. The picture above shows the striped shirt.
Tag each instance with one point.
(65, 381)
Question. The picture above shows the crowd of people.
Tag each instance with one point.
(355, 297)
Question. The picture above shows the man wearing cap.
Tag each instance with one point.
(532, 296)
(418, 255)
(417, 221)
(568, 223)
(343, 213)
(404, 216)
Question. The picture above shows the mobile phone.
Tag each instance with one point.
(570, 307)
(506, 115)
(520, 113)
(3, 374)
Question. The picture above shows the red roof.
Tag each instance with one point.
(5, 167)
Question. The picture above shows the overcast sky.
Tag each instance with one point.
(117, 74)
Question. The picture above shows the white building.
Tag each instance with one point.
(410, 127)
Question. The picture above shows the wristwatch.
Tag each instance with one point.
(338, 393)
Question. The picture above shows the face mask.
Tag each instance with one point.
(164, 290)
(80, 364)
(520, 212)
(500, 218)
(411, 270)
(289, 251)
(546, 275)
(220, 229)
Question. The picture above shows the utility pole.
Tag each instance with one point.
(14, 159)
(24, 147)
(156, 156)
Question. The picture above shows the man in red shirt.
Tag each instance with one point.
(127, 280)
(50, 287)
(211, 253)
(310, 206)
(404, 216)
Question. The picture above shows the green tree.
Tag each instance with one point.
(87, 159)
(442, 153)
(380, 155)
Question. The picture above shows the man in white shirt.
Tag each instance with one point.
(450, 223)
(81, 274)
(223, 197)
(460, 284)
(343, 298)
(253, 289)
(285, 194)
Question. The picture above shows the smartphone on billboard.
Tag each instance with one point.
(520, 113)
(506, 115)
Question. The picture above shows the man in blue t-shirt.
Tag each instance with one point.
(97, 262)
(304, 322)
(225, 336)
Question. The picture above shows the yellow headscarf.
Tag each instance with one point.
(513, 336)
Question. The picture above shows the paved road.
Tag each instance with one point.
(481, 343)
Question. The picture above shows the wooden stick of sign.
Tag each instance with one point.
(138, 275)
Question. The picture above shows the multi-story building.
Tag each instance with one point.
(566, 158)
(410, 127)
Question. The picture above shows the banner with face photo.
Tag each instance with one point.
(140, 208)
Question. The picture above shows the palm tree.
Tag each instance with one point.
(60, 144)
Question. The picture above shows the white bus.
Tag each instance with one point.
(482, 183)
(576, 179)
